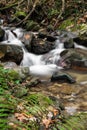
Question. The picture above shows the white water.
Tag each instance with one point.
(38, 63)
(80, 46)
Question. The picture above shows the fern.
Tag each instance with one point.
(76, 122)
(7, 105)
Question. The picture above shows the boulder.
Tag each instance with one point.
(8, 65)
(11, 53)
(21, 72)
(2, 32)
(74, 58)
(42, 44)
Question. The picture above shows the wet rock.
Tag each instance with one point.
(42, 44)
(31, 81)
(65, 37)
(11, 53)
(22, 71)
(63, 78)
(2, 32)
(26, 39)
(74, 58)
(48, 36)
(17, 72)
(69, 44)
(8, 65)
(19, 91)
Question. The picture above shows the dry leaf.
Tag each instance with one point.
(27, 36)
(21, 117)
(46, 122)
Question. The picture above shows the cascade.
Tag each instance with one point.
(39, 64)
(14, 37)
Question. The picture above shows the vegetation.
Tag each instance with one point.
(21, 109)
(32, 111)
(7, 105)
(43, 13)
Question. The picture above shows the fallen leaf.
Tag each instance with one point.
(46, 122)
(27, 36)
(20, 117)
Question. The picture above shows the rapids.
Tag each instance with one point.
(73, 96)
(14, 36)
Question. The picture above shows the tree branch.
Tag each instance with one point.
(61, 12)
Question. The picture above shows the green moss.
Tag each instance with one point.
(66, 24)
(13, 75)
(20, 14)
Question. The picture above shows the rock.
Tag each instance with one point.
(63, 78)
(10, 65)
(22, 71)
(2, 32)
(69, 44)
(11, 53)
(26, 39)
(18, 72)
(64, 35)
(31, 81)
(47, 36)
(74, 58)
(19, 91)
(42, 44)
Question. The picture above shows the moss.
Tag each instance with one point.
(13, 75)
(20, 14)
(66, 23)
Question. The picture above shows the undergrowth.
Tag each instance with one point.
(29, 111)
(7, 103)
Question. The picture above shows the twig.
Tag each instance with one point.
(61, 12)
(8, 6)
(33, 8)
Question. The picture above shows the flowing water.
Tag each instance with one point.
(73, 96)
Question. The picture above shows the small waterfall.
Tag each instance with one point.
(40, 65)
(11, 39)
(49, 58)
(80, 46)
(14, 36)
(18, 32)
(9, 36)
(30, 59)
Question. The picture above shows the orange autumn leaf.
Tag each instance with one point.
(46, 122)
(55, 112)
(27, 36)
(20, 117)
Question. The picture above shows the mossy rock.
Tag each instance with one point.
(19, 91)
(14, 75)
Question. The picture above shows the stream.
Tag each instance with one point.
(73, 96)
